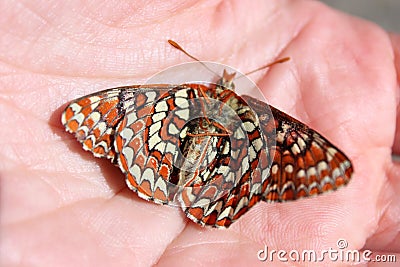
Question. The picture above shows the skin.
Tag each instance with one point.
(60, 206)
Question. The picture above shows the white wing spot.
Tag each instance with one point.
(183, 114)
(154, 128)
(172, 129)
(161, 107)
(289, 168)
(181, 102)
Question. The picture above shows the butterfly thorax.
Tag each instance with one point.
(200, 153)
(226, 81)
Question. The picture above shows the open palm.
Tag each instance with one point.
(60, 206)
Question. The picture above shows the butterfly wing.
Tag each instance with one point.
(93, 119)
(147, 143)
(304, 162)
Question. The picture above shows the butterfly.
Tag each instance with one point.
(204, 147)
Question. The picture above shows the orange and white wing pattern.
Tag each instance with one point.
(304, 162)
(230, 187)
(93, 118)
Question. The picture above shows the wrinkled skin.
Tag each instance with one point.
(60, 206)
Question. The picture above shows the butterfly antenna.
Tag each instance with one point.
(269, 65)
(177, 46)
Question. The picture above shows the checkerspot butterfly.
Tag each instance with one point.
(205, 147)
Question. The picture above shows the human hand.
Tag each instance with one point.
(63, 207)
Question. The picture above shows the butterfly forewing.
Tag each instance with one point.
(93, 119)
(147, 143)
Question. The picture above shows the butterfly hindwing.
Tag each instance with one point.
(304, 162)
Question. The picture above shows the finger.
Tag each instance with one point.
(395, 38)
(396, 143)
(388, 201)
